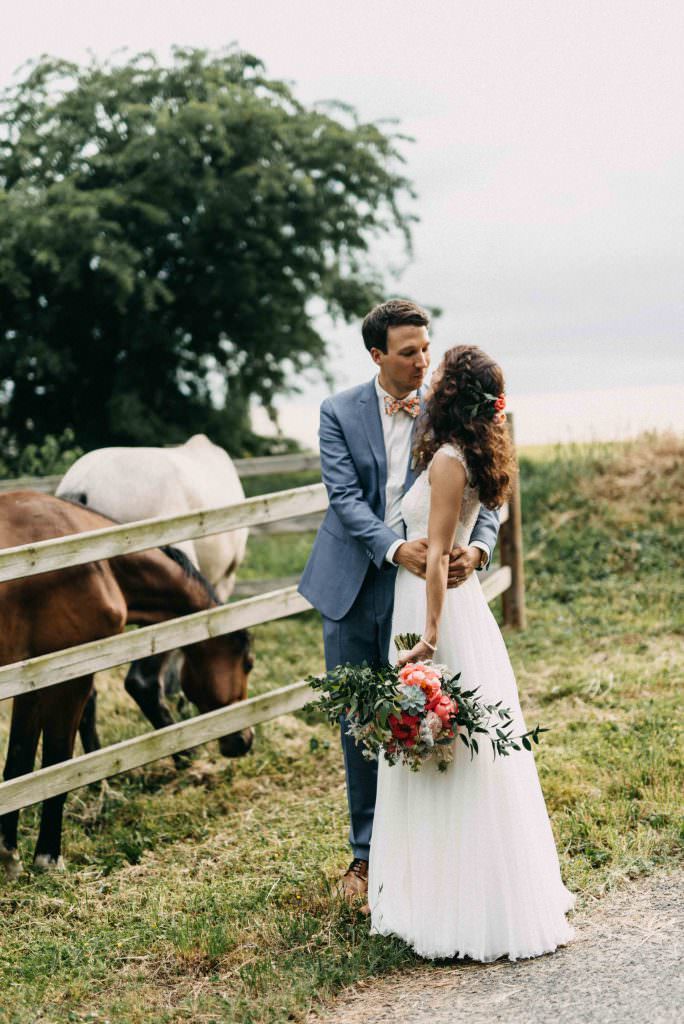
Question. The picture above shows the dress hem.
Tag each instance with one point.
(471, 954)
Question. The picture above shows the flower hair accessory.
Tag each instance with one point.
(474, 401)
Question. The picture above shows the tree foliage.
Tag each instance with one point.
(167, 234)
(51, 457)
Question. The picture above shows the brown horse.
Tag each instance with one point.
(55, 610)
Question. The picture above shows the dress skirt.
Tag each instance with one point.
(463, 862)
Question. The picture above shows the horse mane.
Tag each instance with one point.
(80, 499)
(190, 570)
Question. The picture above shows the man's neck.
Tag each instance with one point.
(392, 390)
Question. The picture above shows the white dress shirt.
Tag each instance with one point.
(397, 431)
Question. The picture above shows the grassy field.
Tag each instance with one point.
(206, 895)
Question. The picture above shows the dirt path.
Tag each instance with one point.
(624, 965)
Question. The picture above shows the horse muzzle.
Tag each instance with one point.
(237, 744)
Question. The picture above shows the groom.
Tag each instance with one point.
(366, 436)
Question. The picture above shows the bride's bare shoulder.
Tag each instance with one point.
(448, 470)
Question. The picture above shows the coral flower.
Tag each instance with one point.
(500, 403)
(418, 674)
(444, 707)
(433, 688)
(413, 673)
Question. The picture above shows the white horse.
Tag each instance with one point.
(128, 484)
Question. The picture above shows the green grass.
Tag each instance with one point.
(254, 485)
(205, 895)
(270, 557)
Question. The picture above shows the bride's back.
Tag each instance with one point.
(415, 507)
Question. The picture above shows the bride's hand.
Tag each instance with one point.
(421, 652)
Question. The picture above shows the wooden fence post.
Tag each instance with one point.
(511, 542)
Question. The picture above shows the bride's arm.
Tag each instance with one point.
(447, 482)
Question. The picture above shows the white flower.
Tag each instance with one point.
(425, 734)
(434, 724)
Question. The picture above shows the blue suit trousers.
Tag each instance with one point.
(363, 634)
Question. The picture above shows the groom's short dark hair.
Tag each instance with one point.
(394, 313)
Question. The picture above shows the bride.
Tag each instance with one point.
(463, 862)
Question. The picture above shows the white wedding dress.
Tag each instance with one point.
(463, 863)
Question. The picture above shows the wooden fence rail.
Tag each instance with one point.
(56, 667)
(267, 465)
(120, 757)
(48, 555)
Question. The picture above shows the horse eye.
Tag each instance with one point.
(248, 663)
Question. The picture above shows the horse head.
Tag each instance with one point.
(215, 674)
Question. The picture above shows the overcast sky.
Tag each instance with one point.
(548, 161)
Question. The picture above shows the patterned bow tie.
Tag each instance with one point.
(410, 405)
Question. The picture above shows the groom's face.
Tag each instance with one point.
(404, 365)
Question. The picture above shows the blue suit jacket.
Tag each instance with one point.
(353, 533)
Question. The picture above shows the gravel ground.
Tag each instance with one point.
(624, 965)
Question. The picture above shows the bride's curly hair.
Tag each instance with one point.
(452, 415)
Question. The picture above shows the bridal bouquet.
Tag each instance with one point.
(415, 713)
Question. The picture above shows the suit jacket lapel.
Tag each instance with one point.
(370, 417)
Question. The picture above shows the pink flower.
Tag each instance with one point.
(444, 707)
(433, 688)
(500, 403)
(418, 674)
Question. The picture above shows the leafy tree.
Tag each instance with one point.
(51, 457)
(166, 235)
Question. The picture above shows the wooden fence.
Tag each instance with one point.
(297, 462)
(270, 510)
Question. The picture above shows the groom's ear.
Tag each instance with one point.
(376, 355)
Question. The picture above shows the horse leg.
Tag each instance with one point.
(171, 674)
(171, 681)
(88, 725)
(21, 753)
(63, 713)
(225, 586)
(146, 687)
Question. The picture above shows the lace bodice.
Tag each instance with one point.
(415, 506)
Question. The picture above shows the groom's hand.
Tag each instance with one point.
(412, 554)
(462, 563)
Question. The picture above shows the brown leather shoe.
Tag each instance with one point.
(354, 881)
